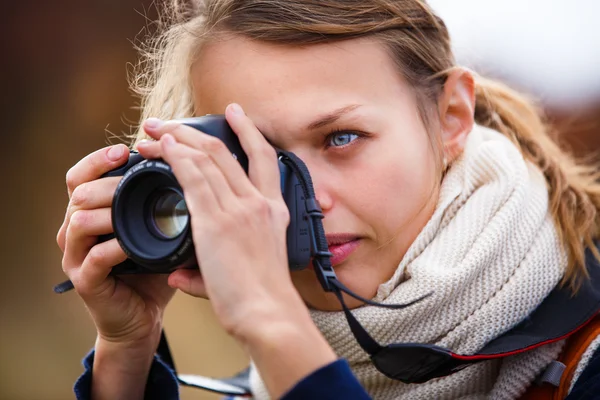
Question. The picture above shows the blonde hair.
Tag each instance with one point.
(418, 42)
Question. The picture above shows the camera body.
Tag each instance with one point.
(151, 222)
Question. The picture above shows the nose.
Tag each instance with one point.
(324, 199)
(321, 180)
(323, 190)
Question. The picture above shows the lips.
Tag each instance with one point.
(341, 246)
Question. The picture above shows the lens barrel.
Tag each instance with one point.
(169, 214)
(150, 217)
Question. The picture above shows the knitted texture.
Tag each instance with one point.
(585, 360)
(490, 253)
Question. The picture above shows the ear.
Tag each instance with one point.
(457, 111)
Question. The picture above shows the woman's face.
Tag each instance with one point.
(344, 109)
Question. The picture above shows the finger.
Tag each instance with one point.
(188, 281)
(214, 147)
(262, 158)
(155, 127)
(149, 149)
(82, 234)
(94, 165)
(88, 196)
(213, 175)
(199, 196)
(91, 277)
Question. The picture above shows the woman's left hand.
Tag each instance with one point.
(238, 221)
(239, 225)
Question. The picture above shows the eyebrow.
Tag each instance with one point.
(331, 117)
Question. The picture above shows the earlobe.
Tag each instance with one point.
(457, 111)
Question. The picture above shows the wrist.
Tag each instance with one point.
(132, 340)
(258, 318)
(133, 345)
(120, 370)
(125, 358)
(133, 351)
(128, 355)
(285, 345)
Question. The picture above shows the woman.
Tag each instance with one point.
(431, 180)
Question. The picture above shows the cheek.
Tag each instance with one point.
(397, 186)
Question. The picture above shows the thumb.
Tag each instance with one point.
(189, 282)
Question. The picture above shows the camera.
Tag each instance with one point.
(151, 221)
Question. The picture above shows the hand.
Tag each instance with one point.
(238, 221)
(127, 311)
(239, 227)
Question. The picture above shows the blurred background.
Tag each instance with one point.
(64, 94)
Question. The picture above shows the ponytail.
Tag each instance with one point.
(573, 187)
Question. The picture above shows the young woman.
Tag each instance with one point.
(431, 180)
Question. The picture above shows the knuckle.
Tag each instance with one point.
(60, 238)
(174, 127)
(229, 223)
(79, 219)
(65, 268)
(261, 207)
(268, 151)
(213, 145)
(200, 158)
(82, 286)
(70, 178)
(282, 213)
(80, 195)
(96, 256)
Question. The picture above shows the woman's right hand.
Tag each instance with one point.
(126, 310)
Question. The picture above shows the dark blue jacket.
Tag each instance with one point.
(332, 382)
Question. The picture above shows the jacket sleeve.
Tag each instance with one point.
(162, 383)
(587, 386)
(334, 381)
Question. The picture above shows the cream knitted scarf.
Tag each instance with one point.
(490, 253)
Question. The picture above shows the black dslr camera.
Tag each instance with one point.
(151, 221)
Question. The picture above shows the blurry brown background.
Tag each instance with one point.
(63, 88)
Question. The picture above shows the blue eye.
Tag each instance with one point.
(341, 139)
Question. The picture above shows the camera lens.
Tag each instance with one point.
(150, 217)
(169, 214)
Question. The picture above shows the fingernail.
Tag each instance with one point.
(115, 153)
(236, 109)
(153, 123)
